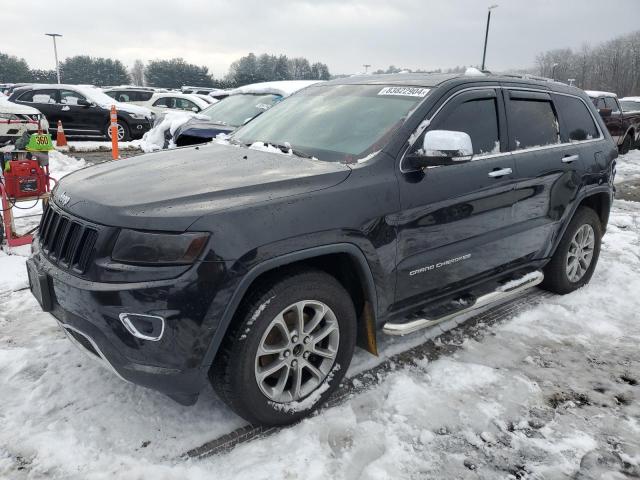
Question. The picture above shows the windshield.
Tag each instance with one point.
(630, 105)
(337, 123)
(235, 110)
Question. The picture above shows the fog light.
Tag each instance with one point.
(146, 327)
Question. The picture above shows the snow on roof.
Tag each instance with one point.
(473, 72)
(596, 93)
(9, 107)
(630, 99)
(284, 88)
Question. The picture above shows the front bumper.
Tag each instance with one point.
(89, 313)
(139, 127)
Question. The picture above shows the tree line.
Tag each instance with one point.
(173, 73)
(611, 66)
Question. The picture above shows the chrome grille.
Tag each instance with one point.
(66, 241)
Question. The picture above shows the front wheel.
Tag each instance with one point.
(291, 345)
(575, 259)
(124, 134)
(627, 144)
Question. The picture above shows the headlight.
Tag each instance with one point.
(158, 248)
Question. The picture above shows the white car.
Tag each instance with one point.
(16, 119)
(158, 102)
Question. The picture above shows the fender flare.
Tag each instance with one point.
(595, 191)
(347, 248)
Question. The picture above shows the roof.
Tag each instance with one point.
(630, 99)
(596, 94)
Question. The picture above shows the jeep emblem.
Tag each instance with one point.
(63, 198)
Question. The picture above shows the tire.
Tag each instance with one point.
(124, 133)
(559, 276)
(627, 144)
(237, 371)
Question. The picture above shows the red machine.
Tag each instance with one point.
(25, 178)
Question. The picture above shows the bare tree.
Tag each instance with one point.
(613, 65)
(137, 73)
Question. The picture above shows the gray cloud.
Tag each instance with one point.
(344, 34)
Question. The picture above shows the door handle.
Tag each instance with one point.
(500, 173)
(570, 158)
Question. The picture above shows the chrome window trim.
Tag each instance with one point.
(513, 152)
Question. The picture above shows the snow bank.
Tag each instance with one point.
(628, 166)
(156, 138)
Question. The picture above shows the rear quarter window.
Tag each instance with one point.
(577, 122)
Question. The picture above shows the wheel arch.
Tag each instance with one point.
(599, 200)
(344, 261)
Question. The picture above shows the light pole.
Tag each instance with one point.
(55, 51)
(366, 67)
(553, 71)
(486, 34)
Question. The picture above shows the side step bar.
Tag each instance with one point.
(505, 291)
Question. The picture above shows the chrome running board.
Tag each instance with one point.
(505, 291)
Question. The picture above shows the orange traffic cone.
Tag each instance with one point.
(61, 140)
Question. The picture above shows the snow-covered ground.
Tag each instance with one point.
(550, 393)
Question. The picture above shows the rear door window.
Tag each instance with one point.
(577, 122)
(40, 96)
(532, 123)
(163, 102)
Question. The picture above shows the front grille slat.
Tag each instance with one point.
(66, 241)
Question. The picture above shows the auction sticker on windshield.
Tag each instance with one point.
(404, 91)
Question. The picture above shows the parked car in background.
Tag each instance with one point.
(159, 101)
(201, 90)
(207, 98)
(259, 265)
(241, 106)
(134, 95)
(624, 126)
(84, 110)
(630, 104)
(16, 119)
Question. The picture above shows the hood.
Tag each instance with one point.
(201, 127)
(9, 107)
(171, 189)
(130, 108)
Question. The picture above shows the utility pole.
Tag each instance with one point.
(366, 67)
(553, 71)
(486, 34)
(55, 51)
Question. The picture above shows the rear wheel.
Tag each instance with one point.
(124, 134)
(291, 345)
(575, 259)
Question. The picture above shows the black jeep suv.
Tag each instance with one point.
(359, 207)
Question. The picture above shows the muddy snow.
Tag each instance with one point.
(550, 393)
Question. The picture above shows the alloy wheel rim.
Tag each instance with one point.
(580, 253)
(120, 132)
(297, 351)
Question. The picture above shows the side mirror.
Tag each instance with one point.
(195, 109)
(605, 112)
(441, 147)
(83, 103)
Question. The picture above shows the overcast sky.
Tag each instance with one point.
(341, 33)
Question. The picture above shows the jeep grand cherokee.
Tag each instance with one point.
(360, 207)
